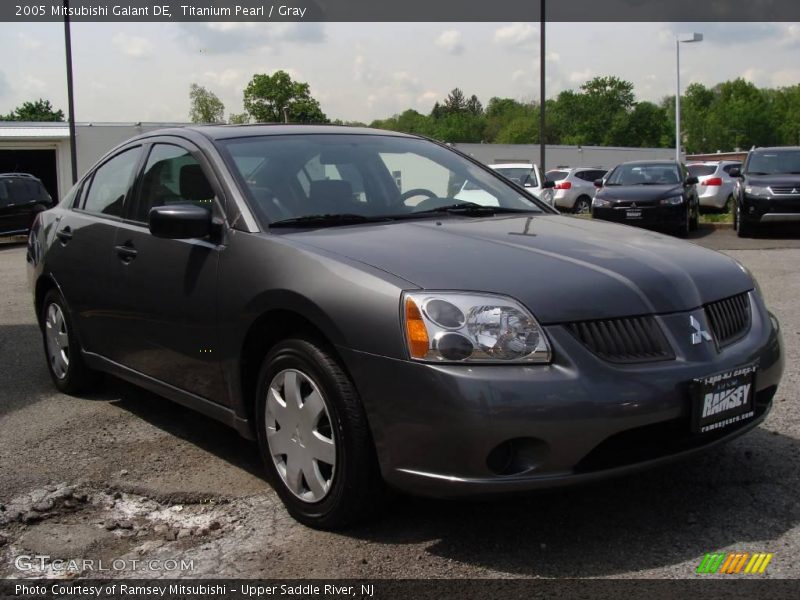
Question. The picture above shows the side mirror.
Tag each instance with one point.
(598, 183)
(735, 172)
(548, 184)
(180, 221)
(692, 180)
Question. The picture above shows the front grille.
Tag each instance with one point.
(628, 340)
(780, 190)
(729, 319)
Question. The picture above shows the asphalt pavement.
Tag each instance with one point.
(123, 474)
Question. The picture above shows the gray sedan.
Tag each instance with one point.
(320, 290)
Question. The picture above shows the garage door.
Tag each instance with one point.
(40, 163)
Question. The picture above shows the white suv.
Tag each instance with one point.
(574, 187)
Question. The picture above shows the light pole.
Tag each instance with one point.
(696, 37)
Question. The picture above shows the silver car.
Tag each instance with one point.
(715, 186)
(574, 188)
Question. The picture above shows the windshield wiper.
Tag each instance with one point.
(472, 208)
(331, 219)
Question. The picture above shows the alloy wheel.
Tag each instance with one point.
(57, 340)
(300, 435)
(582, 207)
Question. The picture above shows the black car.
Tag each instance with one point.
(768, 190)
(321, 290)
(658, 194)
(22, 197)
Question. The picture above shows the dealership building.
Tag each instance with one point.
(43, 150)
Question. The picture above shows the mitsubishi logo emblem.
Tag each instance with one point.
(633, 204)
(794, 191)
(699, 334)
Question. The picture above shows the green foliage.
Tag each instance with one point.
(40, 110)
(604, 111)
(238, 118)
(205, 105)
(266, 96)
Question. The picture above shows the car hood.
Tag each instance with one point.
(639, 193)
(562, 268)
(776, 180)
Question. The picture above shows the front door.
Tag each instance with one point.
(169, 286)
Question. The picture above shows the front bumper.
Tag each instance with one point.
(651, 215)
(758, 209)
(436, 426)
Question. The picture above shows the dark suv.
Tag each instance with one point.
(22, 197)
(768, 190)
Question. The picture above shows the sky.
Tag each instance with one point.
(362, 71)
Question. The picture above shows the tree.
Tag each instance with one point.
(206, 107)
(455, 102)
(266, 96)
(40, 110)
(238, 118)
(474, 105)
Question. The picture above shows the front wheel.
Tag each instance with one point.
(682, 231)
(64, 359)
(314, 437)
(743, 229)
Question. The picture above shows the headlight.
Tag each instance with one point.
(671, 201)
(600, 203)
(757, 190)
(464, 327)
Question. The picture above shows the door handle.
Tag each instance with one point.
(65, 234)
(126, 252)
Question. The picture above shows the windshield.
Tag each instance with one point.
(644, 174)
(701, 170)
(774, 162)
(374, 176)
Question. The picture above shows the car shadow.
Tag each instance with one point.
(743, 493)
(11, 243)
(186, 424)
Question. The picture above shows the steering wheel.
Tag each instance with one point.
(416, 192)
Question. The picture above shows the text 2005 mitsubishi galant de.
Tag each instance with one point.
(322, 290)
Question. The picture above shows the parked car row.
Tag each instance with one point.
(667, 194)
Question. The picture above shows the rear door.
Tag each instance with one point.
(82, 255)
(169, 287)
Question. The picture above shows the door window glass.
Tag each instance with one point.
(172, 176)
(110, 184)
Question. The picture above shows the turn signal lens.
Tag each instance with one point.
(416, 332)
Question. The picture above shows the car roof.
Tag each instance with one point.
(655, 161)
(25, 175)
(771, 148)
(709, 163)
(225, 132)
(510, 165)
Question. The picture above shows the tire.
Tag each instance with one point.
(582, 206)
(340, 483)
(682, 231)
(743, 229)
(62, 351)
(694, 221)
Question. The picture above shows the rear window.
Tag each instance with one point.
(701, 170)
(22, 190)
(556, 175)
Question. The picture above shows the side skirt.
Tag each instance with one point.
(202, 405)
